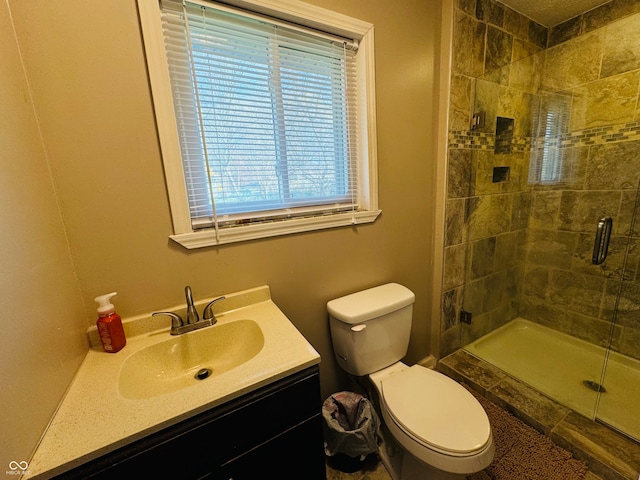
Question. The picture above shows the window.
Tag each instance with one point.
(548, 155)
(267, 127)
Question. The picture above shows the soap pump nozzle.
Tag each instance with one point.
(105, 307)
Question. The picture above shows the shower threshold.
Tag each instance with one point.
(568, 370)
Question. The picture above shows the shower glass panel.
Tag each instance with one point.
(541, 309)
(618, 400)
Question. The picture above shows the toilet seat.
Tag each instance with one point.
(436, 411)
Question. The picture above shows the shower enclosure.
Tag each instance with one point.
(550, 235)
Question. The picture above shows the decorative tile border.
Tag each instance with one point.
(471, 140)
(484, 141)
(601, 135)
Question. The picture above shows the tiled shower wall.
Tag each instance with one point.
(514, 247)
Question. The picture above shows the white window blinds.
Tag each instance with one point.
(265, 116)
(548, 154)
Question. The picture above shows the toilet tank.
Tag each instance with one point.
(370, 329)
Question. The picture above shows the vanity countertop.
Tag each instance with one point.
(94, 418)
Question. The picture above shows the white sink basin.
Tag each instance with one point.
(189, 359)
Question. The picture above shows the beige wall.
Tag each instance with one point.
(85, 61)
(42, 341)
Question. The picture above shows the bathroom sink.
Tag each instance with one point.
(151, 382)
(189, 359)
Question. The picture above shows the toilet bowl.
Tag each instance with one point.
(435, 420)
(442, 431)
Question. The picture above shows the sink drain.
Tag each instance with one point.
(595, 386)
(203, 373)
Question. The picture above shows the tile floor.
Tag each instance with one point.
(372, 469)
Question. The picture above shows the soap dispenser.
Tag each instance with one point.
(109, 324)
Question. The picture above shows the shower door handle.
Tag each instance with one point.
(601, 244)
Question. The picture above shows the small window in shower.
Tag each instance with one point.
(550, 168)
(547, 152)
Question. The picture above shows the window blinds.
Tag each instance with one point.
(265, 116)
(548, 154)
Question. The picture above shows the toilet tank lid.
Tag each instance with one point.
(371, 303)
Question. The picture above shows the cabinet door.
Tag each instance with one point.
(286, 457)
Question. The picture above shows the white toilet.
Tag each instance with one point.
(442, 430)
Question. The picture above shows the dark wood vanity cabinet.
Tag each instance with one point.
(273, 432)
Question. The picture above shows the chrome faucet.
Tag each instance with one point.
(192, 313)
(193, 322)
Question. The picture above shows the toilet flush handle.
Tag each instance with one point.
(358, 328)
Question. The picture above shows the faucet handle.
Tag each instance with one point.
(176, 320)
(207, 313)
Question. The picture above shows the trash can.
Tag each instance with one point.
(351, 430)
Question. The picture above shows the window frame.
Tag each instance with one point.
(298, 13)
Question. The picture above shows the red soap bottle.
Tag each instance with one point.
(109, 325)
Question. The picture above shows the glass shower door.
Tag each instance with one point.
(549, 188)
(547, 173)
(529, 285)
(619, 389)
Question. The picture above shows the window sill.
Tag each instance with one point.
(209, 237)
